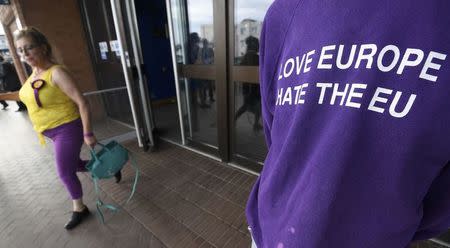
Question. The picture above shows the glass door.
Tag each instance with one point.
(216, 44)
(128, 46)
(246, 135)
(199, 43)
(119, 109)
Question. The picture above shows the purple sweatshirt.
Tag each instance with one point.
(356, 107)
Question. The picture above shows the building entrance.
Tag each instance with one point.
(216, 46)
(204, 94)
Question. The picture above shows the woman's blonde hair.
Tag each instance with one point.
(38, 38)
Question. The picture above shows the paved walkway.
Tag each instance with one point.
(183, 199)
(34, 205)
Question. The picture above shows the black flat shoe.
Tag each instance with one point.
(118, 176)
(77, 218)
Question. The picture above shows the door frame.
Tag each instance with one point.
(237, 73)
(142, 115)
(221, 56)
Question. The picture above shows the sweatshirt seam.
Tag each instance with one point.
(280, 49)
(284, 41)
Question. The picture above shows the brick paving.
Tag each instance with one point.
(34, 205)
(187, 200)
(182, 200)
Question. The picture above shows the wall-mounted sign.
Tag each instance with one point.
(115, 47)
(103, 49)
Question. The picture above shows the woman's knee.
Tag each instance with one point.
(68, 176)
(72, 183)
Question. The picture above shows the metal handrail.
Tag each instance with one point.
(98, 92)
(440, 242)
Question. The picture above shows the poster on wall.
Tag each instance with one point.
(115, 47)
(103, 49)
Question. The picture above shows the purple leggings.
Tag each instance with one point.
(68, 139)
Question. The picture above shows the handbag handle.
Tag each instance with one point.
(92, 151)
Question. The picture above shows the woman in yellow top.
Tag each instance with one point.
(58, 111)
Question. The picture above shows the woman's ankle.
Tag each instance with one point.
(79, 208)
(78, 205)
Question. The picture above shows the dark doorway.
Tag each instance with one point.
(155, 43)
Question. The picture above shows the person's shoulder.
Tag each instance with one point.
(277, 21)
(281, 11)
(58, 73)
(58, 69)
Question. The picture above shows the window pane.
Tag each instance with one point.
(199, 109)
(248, 132)
(194, 31)
(249, 15)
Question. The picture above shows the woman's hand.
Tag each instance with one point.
(91, 141)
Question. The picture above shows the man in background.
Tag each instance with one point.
(9, 81)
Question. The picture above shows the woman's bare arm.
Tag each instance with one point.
(67, 84)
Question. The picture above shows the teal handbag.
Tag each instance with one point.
(105, 164)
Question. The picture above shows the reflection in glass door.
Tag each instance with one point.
(193, 27)
(247, 136)
(216, 47)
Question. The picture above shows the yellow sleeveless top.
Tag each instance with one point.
(57, 108)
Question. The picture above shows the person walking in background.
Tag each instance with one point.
(250, 91)
(58, 111)
(2, 88)
(9, 81)
(355, 107)
(207, 87)
(3, 103)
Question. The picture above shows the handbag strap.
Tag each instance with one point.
(100, 204)
(134, 164)
(111, 207)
